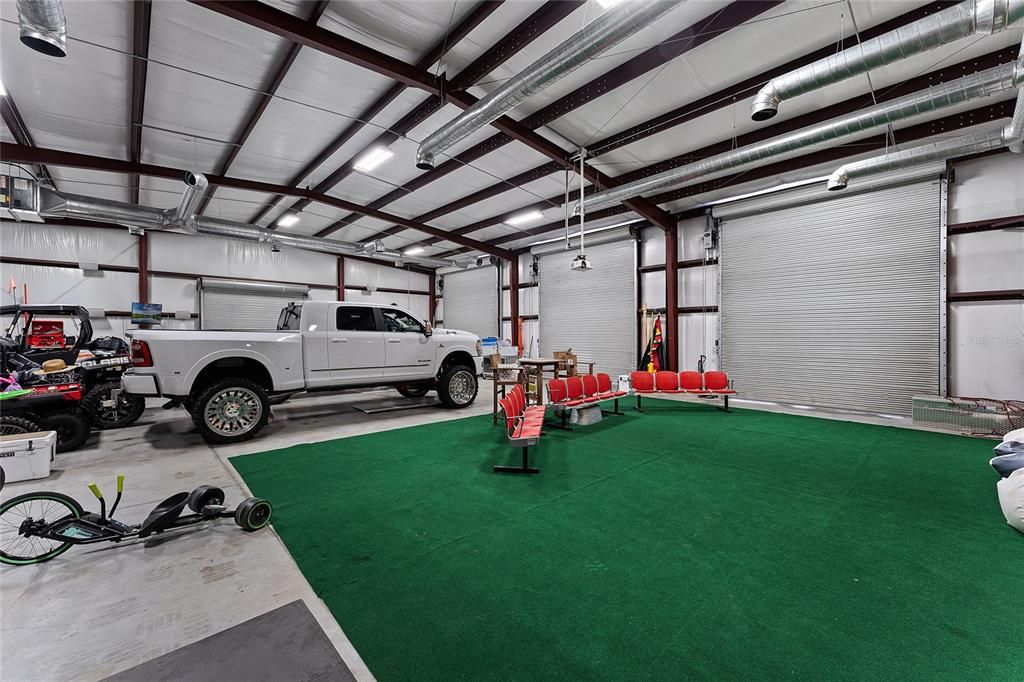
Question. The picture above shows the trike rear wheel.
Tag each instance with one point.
(253, 513)
(43, 508)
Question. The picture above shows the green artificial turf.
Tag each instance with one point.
(680, 543)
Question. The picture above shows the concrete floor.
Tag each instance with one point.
(100, 609)
(105, 608)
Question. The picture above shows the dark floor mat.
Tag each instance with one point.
(283, 645)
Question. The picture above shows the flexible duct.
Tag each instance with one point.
(195, 188)
(42, 27)
(935, 151)
(974, 86)
(1015, 130)
(618, 23)
(953, 23)
(58, 205)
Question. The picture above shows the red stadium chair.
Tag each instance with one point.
(692, 382)
(718, 383)
(558, 391)
(604, 387)
(666, 382)
(576, 392)
(590, 392)
(522, 429)
(641, 382)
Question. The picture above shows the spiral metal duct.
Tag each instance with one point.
(953, 23)
(42, 27)
(966, 88)
(615, 25)
(59, 205)
(936, 151)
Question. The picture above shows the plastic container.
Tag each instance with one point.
(508, 372)
(25, 456)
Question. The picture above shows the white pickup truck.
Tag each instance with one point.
(227, 380)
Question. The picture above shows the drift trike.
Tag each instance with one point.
(36, 527)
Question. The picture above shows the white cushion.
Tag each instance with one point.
(1011, 498)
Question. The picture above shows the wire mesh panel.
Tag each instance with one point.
(980, 416)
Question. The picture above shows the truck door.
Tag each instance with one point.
(356, 345)
(409, 351)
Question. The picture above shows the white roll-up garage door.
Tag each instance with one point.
(235, 304)
(592, 312)
(835, 303)
(471, 301)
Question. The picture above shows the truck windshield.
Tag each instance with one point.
(289, 320)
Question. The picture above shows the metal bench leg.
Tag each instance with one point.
(616, 410)
(639, 405)
(564, 425)
(524, 469)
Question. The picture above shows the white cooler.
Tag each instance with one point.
(25, 456)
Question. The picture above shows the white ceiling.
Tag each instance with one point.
(207, 70)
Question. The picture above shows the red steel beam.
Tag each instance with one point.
(293, 28)
(527, 31)
(672, 296)
(19, 131)
(142, 12)
(400, 128)
(914, 133)
(681, 42)
(985, 225)
(823, 114)
(725, 97)
(263, 100)
(15, 152)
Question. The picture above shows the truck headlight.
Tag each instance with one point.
(479, 347)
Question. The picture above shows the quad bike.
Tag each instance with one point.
(48, 402)
(36, 527)
(34, 334)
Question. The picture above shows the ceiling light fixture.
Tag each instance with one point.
(522, 218)
(373, 158)
(288, 219)
(3, 90)
(414, 251)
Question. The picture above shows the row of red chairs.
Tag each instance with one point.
(524, 425)
(687, 381)
(571, 392)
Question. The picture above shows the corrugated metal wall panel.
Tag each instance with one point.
(592, 312)
(232, 304)
(471, 301)
(835, 303)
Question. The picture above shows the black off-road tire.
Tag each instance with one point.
(72, 429)
(12, 426)
(222, 394)
(457, 387)
(413, 390)
(128, 410)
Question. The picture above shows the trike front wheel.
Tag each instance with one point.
(20, 515)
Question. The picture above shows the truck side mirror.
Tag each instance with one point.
(427, 329)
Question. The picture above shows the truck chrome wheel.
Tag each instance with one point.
(233, 411)
(462, 387)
